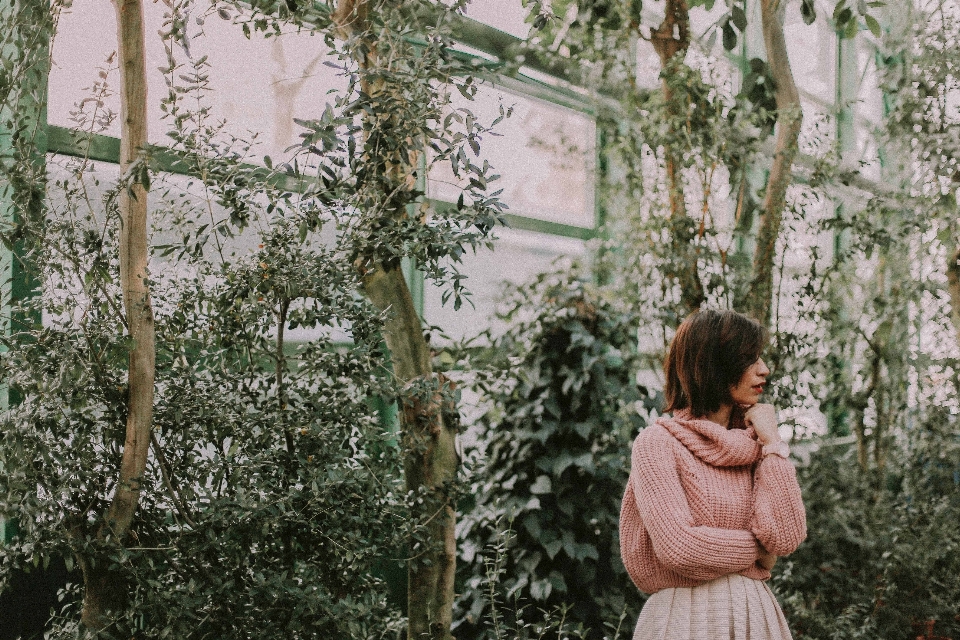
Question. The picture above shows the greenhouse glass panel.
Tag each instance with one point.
(807, 238)
(257, 85)
(813, 54)
(518, 257)
(867, 153)
(76, 193)
(648, 65)
(703, 21)
(177, 205)
(543, 153)
(869, 104)
(505, 15)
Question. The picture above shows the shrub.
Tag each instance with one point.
(554, 442)
(879, 559)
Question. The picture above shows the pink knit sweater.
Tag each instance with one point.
(698, 499)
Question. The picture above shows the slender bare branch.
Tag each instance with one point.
(759, 297)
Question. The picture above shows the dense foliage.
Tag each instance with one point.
(269, 464)
(863, 344)
(273, 487)
(879, 564)
(881, 559)
(554, 453)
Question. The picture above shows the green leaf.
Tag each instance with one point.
(553, 548)
(873, 25)
(711, 41)
(584, 429)
(837, 10)
(739, 18)
(541, 486)
(843, 17)
(850, 30)
(808, 11)
(729, 37)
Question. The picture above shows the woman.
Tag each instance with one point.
(712, 497)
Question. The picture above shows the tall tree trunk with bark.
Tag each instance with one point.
(671, 41)
(758, 300)
(103, 592)
(430, 458)
(953, 286)
(427, 424)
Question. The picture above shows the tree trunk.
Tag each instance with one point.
(430, 458)
(104, 591)
(671, 41)
(759, 297)
(953, 285)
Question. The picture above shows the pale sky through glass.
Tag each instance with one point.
(258, 85)
(506, 15)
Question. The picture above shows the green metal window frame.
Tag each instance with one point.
(471, 33)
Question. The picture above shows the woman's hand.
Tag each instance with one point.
(763, 419)
(764, 558)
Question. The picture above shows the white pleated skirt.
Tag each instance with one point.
(729, 608)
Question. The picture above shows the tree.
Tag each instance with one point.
(269, 477)
(403, 103)
(554, 442)
(103, 591)
(920, 80)
(431, 462)
(694, 141)
(759, 298)
(223, 508)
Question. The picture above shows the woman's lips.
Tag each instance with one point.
(758, 388)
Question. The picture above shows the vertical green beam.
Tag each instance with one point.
(751, 42)
(846, 94)
(389, 411)
(26, 32)
(23, 144)
(846, 89)
(602, 172)
(751, 46)
(414, 278)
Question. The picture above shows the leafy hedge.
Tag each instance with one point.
(554, 442)
(883, 553)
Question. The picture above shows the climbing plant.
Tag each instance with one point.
(554, 447)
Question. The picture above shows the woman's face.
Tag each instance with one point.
(747, 392)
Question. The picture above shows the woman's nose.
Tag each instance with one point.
(763, 370)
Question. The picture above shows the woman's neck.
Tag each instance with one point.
(721, 416)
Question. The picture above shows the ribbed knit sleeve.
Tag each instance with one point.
(779, 520)
(697, 552)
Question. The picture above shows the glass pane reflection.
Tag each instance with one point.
(518, 256)
(543, 153)
(257, 85)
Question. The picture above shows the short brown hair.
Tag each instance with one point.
(708, 356)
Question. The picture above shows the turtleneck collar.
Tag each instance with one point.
(713, 443)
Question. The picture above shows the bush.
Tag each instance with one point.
(554, 442)
(271, 492)
(882, 556)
